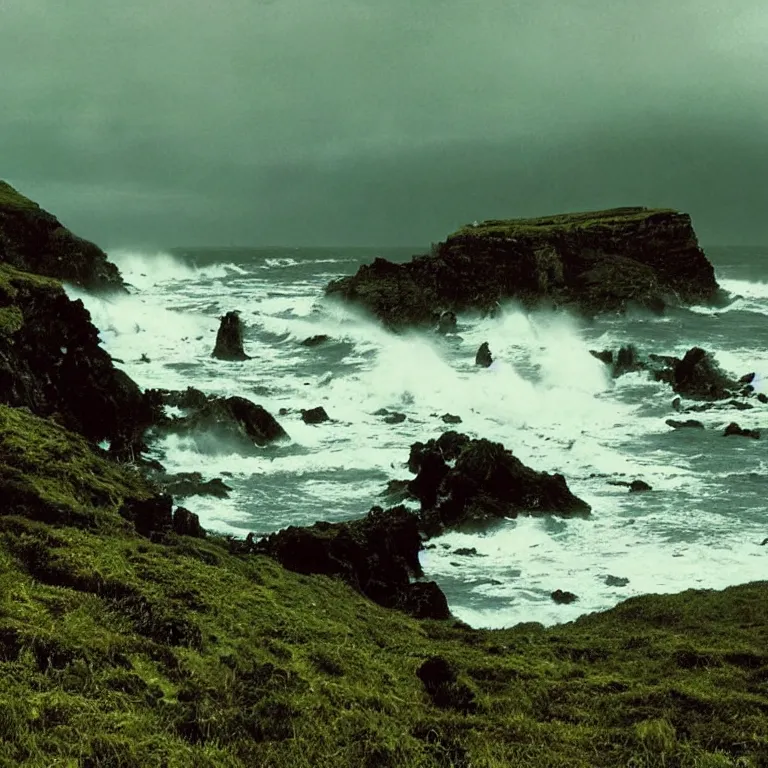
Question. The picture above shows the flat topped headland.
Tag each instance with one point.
(592, 262)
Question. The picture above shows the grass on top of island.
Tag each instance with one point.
(118, 651)
(545, 226)
(11, 198)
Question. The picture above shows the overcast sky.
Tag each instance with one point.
(381, 121)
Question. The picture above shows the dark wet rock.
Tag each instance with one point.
(747, 378)
(486, 482)
(616, 581)
(314, 415)
(233, 422)
(600, 261)
(763, 398)
(33, 240)
(562, 597)
(763, 542)
(441, 683)
(626, 360)
(315, 341)
(733, 429)
(377, 555)
(446, 322)
(229, 339)
(186, 484)
(738, 405)
(397, 491)
(484, 357)
(186, 523)
(677, 404)
(151, 517)
(51, 361)
(636, 486)
(449, 418)
(394, 418)
(698, 376)
(467, 552)
(604, 356)
(687, 424)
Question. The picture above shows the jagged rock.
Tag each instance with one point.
(185, 484)
(698, 376)
(562, 597)
(51, 361)
(763, 398)
(186, 523)
(747, 378)
(33, 240)
(687, 424)
(446, 322)
(233, 422)
(449, 418)
(484, 357)
(315, 341)
(486, 482)
(604, 356)
(377, 555)
(394, 418)
(229, 339)
(616, 581)
(596, 261)
(397, 491)
(626, 360)
(733, 429)
(314, 415)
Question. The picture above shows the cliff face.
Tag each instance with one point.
(51, 362)
(594, 262)
(33, 240)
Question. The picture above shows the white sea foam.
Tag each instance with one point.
(145, 270)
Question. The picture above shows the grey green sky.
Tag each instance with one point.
(359, 122)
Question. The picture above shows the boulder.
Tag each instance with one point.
(687, 424)
(484, 357)
(394, 418)
(486, 482)
(186, 523)
(562, 597)
(229, 339)
(449, 418)
(377, 555)
(699, 377)
(226, 422)
(186, 484)
(33, 240)
(314, 415)
(446, 323)
(616, 581)
(600, 261)
(733, 429)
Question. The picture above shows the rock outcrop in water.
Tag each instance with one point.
(462, 481)
(229, 339)
(33, 240)
(595, 262)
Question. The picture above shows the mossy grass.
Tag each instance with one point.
(12, 281)
(11, 198)
(118, 651)
(545, 226)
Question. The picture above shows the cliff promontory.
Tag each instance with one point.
(33, 240)
(593, 262)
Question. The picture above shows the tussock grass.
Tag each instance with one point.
(116, 651)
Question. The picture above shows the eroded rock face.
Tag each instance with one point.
(600, 261)
(485, 482)
(51, 361)
(377, 555)
(229, 339)
(33, 240)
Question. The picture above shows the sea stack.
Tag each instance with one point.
(229, 339)
(602, 261)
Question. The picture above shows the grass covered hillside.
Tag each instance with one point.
(126, 651)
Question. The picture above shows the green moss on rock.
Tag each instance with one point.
(12, 198)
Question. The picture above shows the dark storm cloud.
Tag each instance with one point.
(354, 121)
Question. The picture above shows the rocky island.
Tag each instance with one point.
(600, 261)
(130, 637)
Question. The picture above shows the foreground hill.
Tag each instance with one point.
(594, 262)
(118, 649)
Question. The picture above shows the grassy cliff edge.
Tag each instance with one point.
(117, 651)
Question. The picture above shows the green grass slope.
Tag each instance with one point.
(117, 651)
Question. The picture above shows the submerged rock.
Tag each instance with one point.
(314, 415)
(600, 261)
(687, 424)
(733, 429)
(229, 339)
(377, 555)
(33, 240)
(315, 341)
(563, 597)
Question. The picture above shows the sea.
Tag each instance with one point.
(546, 398)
